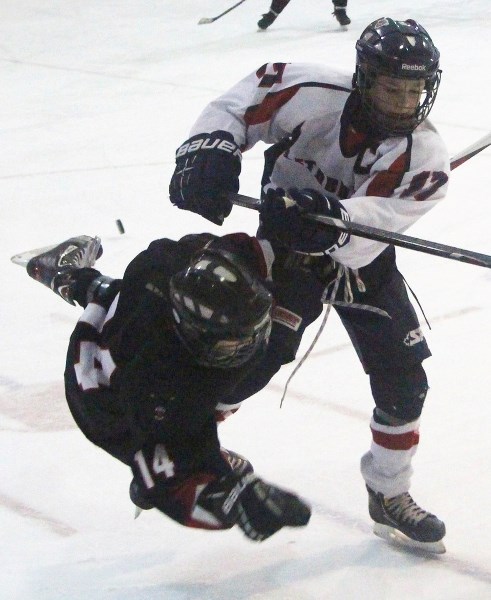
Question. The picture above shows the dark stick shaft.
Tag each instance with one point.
(381, 235)
(470, 151)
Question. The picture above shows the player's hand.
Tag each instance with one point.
(282, 222)
(207, 167)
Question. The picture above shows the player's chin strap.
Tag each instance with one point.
(328, 298)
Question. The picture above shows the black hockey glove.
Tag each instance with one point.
(207, 167)
(282, 222)
(258, 508)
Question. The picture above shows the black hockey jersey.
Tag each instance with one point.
(130, 378)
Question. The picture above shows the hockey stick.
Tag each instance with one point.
(381, 235)
(470, 151)
(206, 20)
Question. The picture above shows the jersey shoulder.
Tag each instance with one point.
(429, 147)
(317, 73)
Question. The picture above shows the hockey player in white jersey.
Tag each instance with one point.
(355, 147)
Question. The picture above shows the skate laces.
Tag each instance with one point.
(86, 254)
(71, 256)
(74, 253)
(348, 292)
(404, 509)
(329, 303)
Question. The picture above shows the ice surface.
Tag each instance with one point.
(95, 97)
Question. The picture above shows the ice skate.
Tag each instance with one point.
(341, 17)
(402, 521)
(53, 266)
(138, 498)
(266, 20)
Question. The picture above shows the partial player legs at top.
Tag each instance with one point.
(340, 12)
(274, 10)
(277, 7)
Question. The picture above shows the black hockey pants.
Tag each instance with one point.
(391, 348)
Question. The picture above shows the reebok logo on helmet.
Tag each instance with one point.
(413, 67)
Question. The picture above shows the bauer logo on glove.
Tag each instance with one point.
(207, 169)
(208, 143)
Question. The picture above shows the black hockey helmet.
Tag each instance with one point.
(402, 50)
(222, 313)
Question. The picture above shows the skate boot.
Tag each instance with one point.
(401, 520)
(53, 266)
(266, 20)
(341, 16)
(138, 498)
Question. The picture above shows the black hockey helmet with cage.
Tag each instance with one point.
(403, 50)
(222, 313)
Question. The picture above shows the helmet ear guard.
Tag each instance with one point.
(402, 50)
(222, 313)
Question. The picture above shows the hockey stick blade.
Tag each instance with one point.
(470, 151)
(206, 20)
(381, 235)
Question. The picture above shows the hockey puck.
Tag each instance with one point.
(120, 226)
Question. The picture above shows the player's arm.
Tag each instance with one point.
(265, 106)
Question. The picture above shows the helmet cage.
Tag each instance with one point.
(222, 314)
(401, 50)
(213, 349)
(390, 125)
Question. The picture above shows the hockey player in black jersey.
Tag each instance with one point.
(153, 364)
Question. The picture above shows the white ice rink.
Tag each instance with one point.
(95, 95)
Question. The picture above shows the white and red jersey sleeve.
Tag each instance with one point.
(303, 111)
(268, 104)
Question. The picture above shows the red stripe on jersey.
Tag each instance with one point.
(264, 111)
(352, 141)
(221, 415)
(401, 441)
(385, 182)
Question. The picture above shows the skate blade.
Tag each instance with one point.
(394, 536)
(23, 258)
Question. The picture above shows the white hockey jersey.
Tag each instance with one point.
(303, 110)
